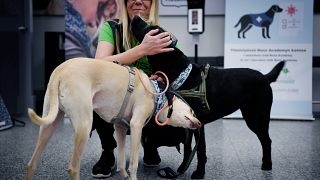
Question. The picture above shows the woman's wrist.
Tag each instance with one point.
(127, 57)
(140, 50)
(130, 56)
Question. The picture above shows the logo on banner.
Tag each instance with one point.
(292, 20)
(291, 10)
(263, 20)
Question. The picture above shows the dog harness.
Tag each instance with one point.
(199, 91)
(119, 118)
(158, 100)
(258, 19)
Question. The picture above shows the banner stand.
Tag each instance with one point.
(195, 40)
(5, 119)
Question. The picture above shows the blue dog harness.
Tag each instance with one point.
(258, 19)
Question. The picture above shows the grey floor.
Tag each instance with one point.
(233, 152)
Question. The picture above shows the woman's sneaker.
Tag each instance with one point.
(152, 163)
(106, 165)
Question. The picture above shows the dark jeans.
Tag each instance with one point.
(105, 131)
(153, 136)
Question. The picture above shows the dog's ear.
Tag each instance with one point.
(172, 37)
(139, 28)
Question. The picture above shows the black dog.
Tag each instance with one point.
(263, 20)
(227, 91)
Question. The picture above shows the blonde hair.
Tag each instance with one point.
(127, 36)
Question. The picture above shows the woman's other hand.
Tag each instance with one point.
(156, 77)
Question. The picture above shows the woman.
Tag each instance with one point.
(134, 54)
(152, 44)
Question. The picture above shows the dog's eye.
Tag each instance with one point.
(187, 118)
(192, 112)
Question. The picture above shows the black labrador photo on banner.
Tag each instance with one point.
(263, 20)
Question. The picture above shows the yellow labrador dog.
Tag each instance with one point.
(81, 85)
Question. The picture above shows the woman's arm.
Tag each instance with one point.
(151, 44)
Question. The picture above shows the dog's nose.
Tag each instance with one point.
(196, 123)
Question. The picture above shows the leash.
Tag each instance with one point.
(168, 115)
(167, 172)
(170, 100)
(157, 94)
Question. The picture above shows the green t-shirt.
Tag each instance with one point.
(106, 34)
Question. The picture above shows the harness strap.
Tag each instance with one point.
(119, 118)
(200, 91)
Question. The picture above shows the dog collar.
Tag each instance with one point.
(160, 100)
(182, 78)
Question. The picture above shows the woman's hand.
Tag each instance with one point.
(156, 77)
(154, 44)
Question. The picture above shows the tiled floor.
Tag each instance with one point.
(233, 152)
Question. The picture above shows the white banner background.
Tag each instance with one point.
(290, 40)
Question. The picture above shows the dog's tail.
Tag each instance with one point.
(237, 24)
(53, 105)
(274, 73)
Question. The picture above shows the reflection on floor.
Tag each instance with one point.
(233, 152)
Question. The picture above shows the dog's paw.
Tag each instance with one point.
(124, 174)
(266, 166)
(198, 174)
